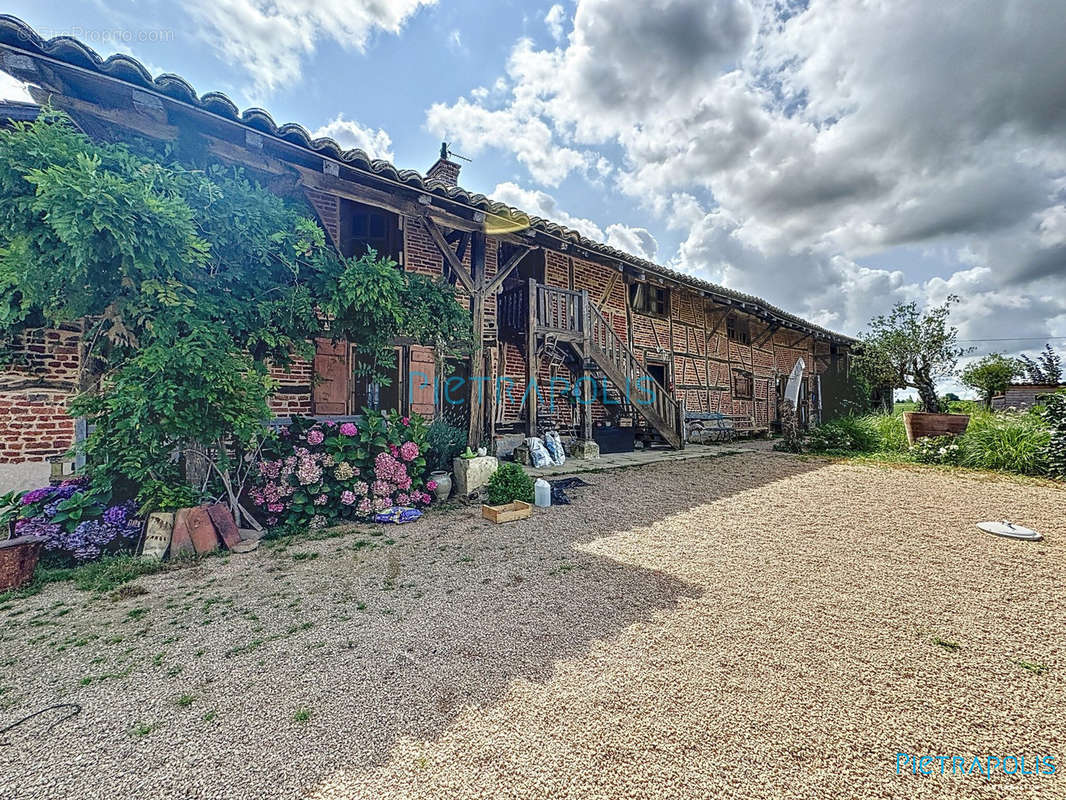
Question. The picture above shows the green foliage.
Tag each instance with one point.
(189, 281)
(445, 442)
(193, 393)
(843, 435)
(1045, 368)
(909, 348)
(1012, 442)
(937, 450)
(890, 433)
(991, 375)
(509, 483)
(1054, 415)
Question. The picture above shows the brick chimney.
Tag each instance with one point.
(444, 170)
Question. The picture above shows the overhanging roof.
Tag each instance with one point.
(68, 63)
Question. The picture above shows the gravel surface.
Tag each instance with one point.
(747, 626)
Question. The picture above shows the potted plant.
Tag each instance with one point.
(444, 442)
(911, 348)
(18, 554)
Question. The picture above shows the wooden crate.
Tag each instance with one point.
(507, 513)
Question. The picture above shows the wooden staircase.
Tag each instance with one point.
(539, 312)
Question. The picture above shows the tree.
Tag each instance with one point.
(1046, 369)
(188, 282)
(907, 348)
(991, 375)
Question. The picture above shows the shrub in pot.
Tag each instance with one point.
(509, 483)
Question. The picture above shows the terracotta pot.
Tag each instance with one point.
(920, 424)
(18, 560)
(444, 484)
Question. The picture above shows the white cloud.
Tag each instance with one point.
(12, 88)
(348, 134)
(790, 142)
(270, 38)
(542, 204)
(554, 20)
(638, 241)
(473, 127)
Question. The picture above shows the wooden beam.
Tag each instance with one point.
(774, 328)
(476, 428)
(531, 360)
(124, 118)
(449, 255)
(506, 269)
(607, 291)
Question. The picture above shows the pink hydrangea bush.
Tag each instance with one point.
(313, 471)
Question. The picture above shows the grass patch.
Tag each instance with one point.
(1032, 666)
(302, 715)
(950, 646)
(108, 574)
(142, 729)
(186, 700)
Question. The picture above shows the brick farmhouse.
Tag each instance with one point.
(547, 303)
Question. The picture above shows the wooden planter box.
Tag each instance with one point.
(920, 424)
(507, 513)
(18, 560)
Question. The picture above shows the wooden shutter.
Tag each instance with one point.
(333, 373)
(420, 387)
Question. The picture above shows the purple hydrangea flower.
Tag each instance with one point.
(119, 515)
(37, 495)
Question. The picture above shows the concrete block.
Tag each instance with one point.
(473, 473)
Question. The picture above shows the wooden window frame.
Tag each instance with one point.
(640, 302)
(743, 375)
(738, 329)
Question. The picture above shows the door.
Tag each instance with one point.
(329, 394)
(658, 371)
(420, 377)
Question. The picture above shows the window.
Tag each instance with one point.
(649, 299)
(738, 330)
(366, 227)
(743, 385)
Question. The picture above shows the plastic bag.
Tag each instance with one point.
(555, 449)
(397, 515)
(538, 452)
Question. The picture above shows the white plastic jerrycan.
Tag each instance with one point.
(542, 493)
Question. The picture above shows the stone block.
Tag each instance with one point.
(584, 448)
(522, 455)
(473, 473)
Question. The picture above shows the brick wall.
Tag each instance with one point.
(34, 425)
(293, 395)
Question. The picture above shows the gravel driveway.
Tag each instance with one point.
(748, 626)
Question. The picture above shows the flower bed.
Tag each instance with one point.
(76, 523)
(312, 473)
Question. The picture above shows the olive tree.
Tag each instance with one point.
(912, 348)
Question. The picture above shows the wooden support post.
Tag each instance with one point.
(531, 360)
(476, 427)
(586, 346)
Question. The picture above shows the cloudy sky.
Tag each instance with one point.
(832, 156)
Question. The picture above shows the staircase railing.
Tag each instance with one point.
(570, 314)
(641, 388)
